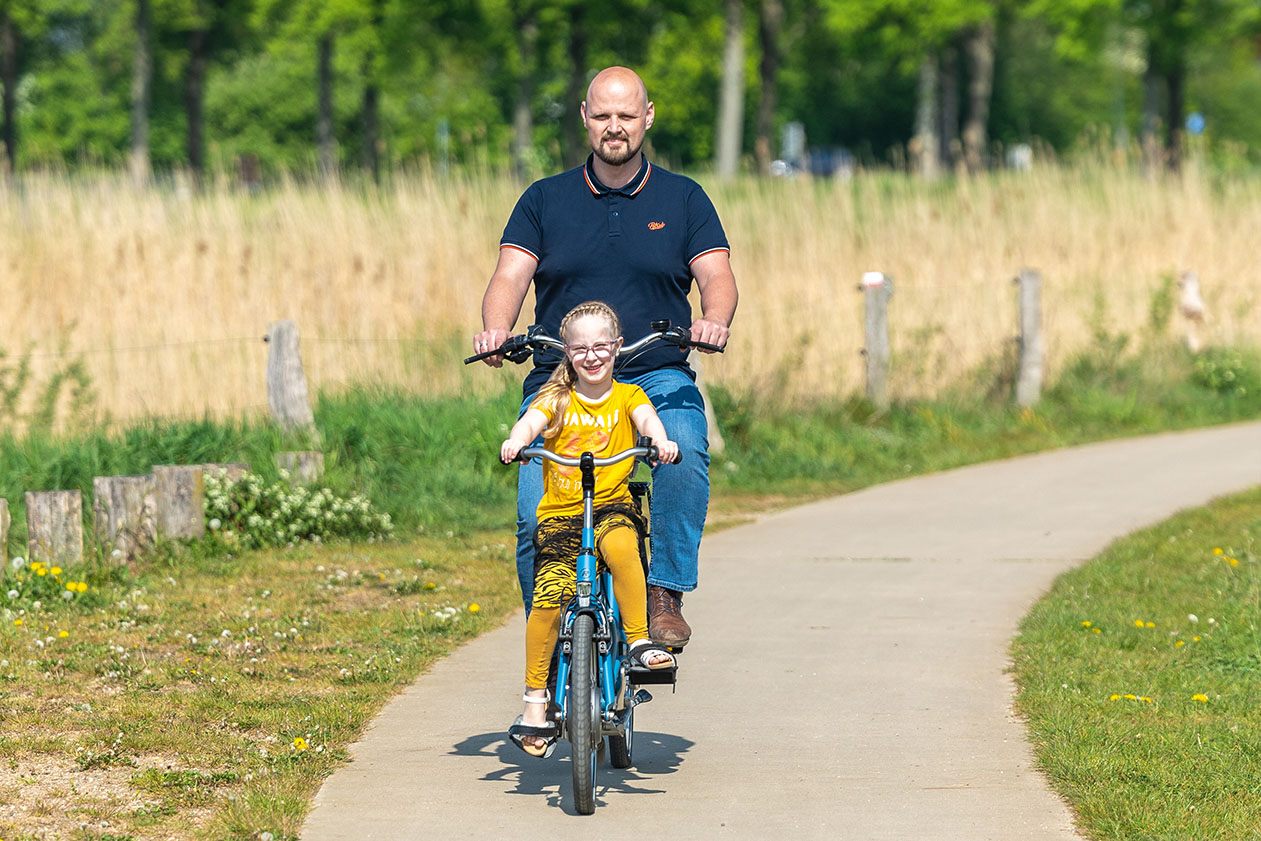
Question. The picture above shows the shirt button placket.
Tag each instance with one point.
(615, 217)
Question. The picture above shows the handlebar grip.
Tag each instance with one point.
(708, 346)
(480, 356)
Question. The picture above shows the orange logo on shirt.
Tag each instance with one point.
(656, 226)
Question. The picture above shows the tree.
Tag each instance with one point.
(10, 41)
(731, 101)
(919, 32)
(141, 91)
(770, 23)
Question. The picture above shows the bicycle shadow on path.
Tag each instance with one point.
(656, 754)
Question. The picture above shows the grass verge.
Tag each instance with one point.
(1140, 677)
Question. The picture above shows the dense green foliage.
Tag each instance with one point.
(432, 463)
(1138, 676)
(441, 81)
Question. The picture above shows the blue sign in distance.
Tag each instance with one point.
(1195, 122)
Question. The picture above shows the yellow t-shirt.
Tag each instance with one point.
(601, 427)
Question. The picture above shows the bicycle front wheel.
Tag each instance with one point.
(584, 714)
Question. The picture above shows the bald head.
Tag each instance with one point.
(617, 114)
(617, 81)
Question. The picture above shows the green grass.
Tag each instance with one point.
(1163, 764)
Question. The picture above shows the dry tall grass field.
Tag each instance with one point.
(165, 294)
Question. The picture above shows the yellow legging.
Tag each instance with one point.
(619, 549)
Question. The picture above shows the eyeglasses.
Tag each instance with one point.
(601, 350)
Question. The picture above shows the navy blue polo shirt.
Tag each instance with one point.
(631, 247)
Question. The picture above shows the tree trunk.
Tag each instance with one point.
(731, 103)
(1151, 118)
(770, 23)
(324, 120)
(141, 93)
(522, 110)
(195, 99)
(980, 50)
(926, 143)
(10, 42)
(573, 138)
(948, 122)
(1175, 87)
(370, 111)
(371, 129)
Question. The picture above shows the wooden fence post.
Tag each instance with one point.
(1029, 373)
(877, 288)
(304, 468)
(5, 522)
(716, 442)
(124, 514)
(54, 526)
(287, 393)
(180, 494)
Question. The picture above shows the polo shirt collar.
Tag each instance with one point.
(629, 189)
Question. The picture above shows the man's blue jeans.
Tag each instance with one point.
(680, 492)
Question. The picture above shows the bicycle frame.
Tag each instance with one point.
(594, 596)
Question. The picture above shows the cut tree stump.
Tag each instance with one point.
(304, 467)
(54, 526)
(181, 503)
(124, 514)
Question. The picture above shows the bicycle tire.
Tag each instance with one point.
(621, 747)
(584, 714)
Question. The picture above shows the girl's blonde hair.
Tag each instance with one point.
(557, 388)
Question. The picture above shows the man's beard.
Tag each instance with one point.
(617, 159)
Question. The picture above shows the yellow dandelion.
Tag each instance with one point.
(1201, 697)
(1195, 639)
(1096, 630)
(63, 634)
(1217, 550)
(1138, 623)
(1130, 697)
(17, 621)
(1234, 562)
(474, 608)
(1145, 699)
(1086, 623)
(1150, 625)
(1179, 643)
(72, 586)
(56, 570)
(41, 572)
(299, 744)
(429, 585)
(1114, 697)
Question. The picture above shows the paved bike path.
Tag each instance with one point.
(846, 677)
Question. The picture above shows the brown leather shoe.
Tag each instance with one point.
(666, 624)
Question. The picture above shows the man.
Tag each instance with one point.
(623, 231)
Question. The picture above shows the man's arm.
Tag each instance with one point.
(718, 297)
(501, 305)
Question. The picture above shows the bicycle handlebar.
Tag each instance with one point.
(640, 450)
(518, 349)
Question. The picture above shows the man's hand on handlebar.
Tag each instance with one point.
(489, 340)
(710, 333)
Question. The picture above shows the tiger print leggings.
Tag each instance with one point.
(555, 578)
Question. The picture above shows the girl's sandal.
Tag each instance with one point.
(547, 732)
(642, 651)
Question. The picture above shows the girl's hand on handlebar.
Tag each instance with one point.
(709, 332)
(509, 448)
(667, 450)
(489, 340)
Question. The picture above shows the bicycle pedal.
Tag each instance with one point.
(640, 676)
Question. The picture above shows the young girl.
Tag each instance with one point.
(580, 409)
